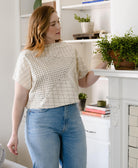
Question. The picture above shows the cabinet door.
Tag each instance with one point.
(97, 154)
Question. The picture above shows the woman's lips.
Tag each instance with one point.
(58, 33)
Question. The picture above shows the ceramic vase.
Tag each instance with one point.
(87, 27)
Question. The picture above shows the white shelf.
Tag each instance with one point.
(76, 41)
(82, 41)
(25, 16)
(116, 73)
(85, 6)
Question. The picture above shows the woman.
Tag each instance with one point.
(47, 76)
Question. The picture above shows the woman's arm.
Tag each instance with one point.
(20, 100)
(90, 78)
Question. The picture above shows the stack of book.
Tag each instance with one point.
(90, 1)
(94, 110)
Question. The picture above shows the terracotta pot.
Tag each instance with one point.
(82, 104)
(124, 65)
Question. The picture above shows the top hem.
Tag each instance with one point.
(50, 107)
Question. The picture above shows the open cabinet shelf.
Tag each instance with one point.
(99, 13)
(82, 41)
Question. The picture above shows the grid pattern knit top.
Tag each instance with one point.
(52, 78)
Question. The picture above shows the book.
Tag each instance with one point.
(94, 106)
(95, 114)
(84, 2)
(96, 111)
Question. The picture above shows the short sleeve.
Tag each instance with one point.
(81, 67)
(22, 72)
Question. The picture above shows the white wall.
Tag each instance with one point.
(124, 15)
(7, 60)
(9, 50)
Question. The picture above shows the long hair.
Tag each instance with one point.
(38, 26)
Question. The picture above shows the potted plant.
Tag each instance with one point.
(82, 98)
(122, 50)
(37, 3)
(86, 23)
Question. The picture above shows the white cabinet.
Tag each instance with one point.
(97, 129)
(97, 154)
(98, 142)
(100, 14)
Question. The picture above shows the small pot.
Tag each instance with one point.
(101, 103)
(82, 104)
(87, 27)
(124, 65)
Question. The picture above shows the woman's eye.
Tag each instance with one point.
(53, 24)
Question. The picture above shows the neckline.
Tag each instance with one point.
(53, 44)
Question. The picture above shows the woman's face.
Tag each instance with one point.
(53, 32)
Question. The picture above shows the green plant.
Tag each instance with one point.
(81, 19)
(37, 3)
(82, 96)
(125, 47)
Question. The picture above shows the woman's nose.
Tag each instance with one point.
(58, 25)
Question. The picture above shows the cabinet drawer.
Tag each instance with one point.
(97, 149)
(96, 128)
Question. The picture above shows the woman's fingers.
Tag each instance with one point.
(12, 146)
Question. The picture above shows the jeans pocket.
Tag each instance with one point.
(35, 119)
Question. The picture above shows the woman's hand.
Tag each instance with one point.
(102, 65)
(90, 78)
(12, 144)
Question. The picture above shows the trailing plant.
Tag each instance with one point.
(125, 47)
(82, 19)
(82, 96)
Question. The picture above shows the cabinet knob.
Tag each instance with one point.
(93, 132)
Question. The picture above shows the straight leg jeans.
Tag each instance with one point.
(56, 134)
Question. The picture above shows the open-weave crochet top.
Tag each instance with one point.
(52, 78)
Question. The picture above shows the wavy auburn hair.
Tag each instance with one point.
(38, 26)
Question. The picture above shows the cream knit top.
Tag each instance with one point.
(52, 78)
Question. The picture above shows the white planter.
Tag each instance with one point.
(87, 27)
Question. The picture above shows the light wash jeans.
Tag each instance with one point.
(56, 134)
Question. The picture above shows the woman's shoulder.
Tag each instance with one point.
(67, 46)
(25, 53)
(61, 44)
